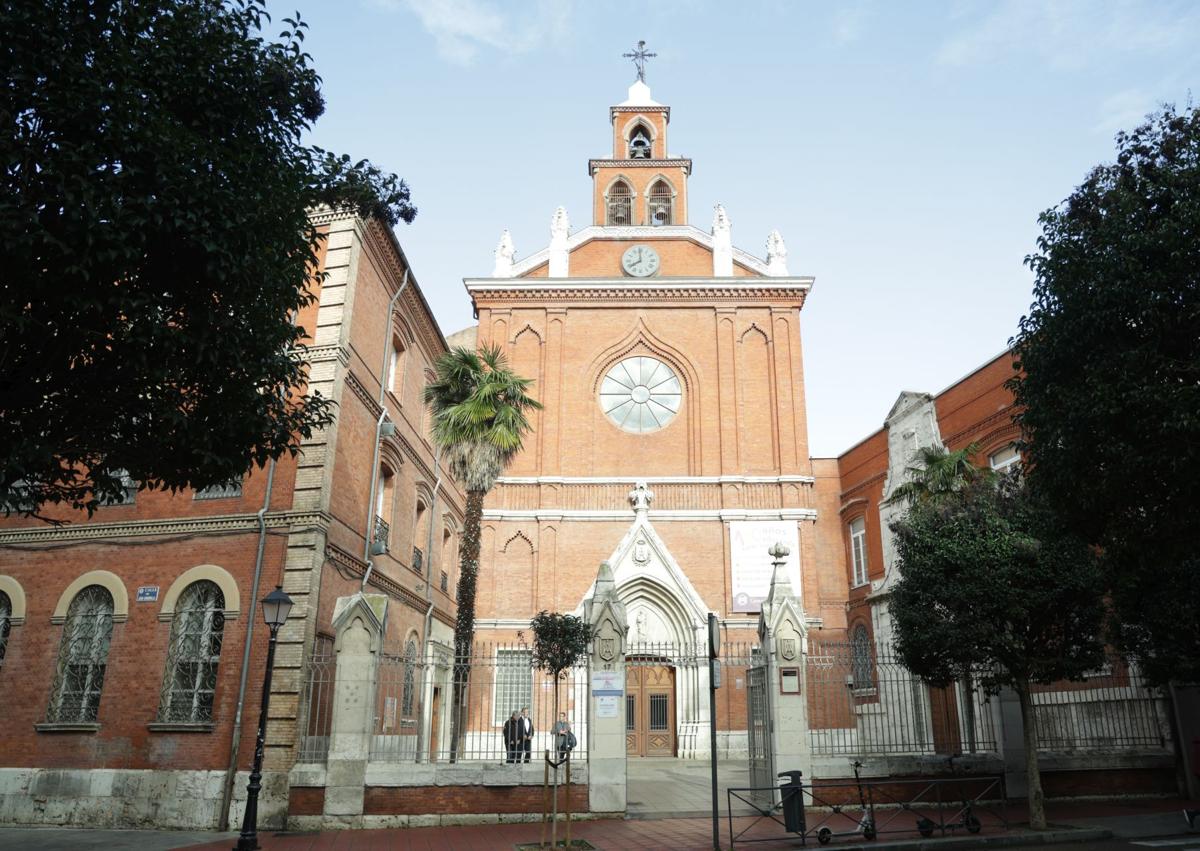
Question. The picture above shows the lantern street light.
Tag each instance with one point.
(276, 606)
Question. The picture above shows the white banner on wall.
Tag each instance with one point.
(750, 564)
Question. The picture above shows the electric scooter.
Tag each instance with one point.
(866, 824)
(965, 817)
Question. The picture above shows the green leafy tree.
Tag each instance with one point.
(940, 472)
(154, 198)
(559, 644)
(1109, 388)
(992, 588)
(479, 410)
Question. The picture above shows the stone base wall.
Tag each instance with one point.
(445, 800)
(128, 798)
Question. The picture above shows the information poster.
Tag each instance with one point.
(608, 706)
(749, 541)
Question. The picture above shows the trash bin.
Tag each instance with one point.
(791, 796)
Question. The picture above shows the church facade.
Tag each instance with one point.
(673, 441)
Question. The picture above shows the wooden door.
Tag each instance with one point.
(943, 709)
(649, 710)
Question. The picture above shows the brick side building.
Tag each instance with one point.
(126, 632)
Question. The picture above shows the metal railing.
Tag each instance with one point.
(379, 538)
(445, 583)
(317, 702)
(871, 705)
(1111, 709)
(418, 559)
(414, 705)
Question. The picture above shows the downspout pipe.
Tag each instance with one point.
(383, 381)
(437, 486)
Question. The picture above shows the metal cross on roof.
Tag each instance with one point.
(639, 57)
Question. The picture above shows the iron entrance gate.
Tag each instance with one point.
(759, 729)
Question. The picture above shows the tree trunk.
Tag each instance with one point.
(464, 622)
(554, 744)
(1037, 804)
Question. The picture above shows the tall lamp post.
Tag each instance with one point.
(276, 607)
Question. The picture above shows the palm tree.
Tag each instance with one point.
(479, 421)
(938, 472)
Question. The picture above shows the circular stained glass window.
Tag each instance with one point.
(640, 394)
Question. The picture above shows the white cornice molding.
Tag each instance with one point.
(722, 514)
(653, 480)
(592, 232)
(166, 526)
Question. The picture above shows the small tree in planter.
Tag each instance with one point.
(559, 644)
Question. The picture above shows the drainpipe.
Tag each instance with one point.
(250, 611)
(383, 379)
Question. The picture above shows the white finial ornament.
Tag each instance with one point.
(560, 229)
(776, 255)
(504, 254)
(722, 234)
(640, 497)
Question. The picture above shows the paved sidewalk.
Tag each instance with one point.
(1085, 823)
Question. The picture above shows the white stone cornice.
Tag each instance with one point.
(165, 526)
(592, 232)
(665, 480)
(658, 516)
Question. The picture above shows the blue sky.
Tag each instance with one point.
(904, 150)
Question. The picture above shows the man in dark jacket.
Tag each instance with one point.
(512, 737)
(526, 734)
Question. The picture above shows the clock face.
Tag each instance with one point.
(641, 261)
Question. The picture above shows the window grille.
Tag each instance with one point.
(82, 658)
(514, 683)
(445, 582)
(5, 623)
(620, 204)
(659, 205)
(190, 678)
(418, 561)
(858, 548)
(227, 490)
(860, 650)
(639, 144)
(408, 697)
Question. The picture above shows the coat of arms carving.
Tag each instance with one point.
(787, 648)
(608, 649)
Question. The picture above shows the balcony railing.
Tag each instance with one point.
(445, 582)
(379, 540)
(418, 562)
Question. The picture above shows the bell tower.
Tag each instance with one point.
(641, 184)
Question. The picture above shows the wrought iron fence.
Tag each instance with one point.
(415, 705)
(864, 702)
(317, 702)
(1111, 709)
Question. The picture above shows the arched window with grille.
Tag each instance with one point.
(660, 204)
(408, 697)
(620, 204)
(640, 145)
(860, 655)
(190, 678)
(82, 658)
(5, 623)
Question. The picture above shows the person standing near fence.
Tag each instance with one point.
(512, 736)
(526, 734)
(563, 736)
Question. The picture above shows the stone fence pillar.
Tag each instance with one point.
(606, 696)
(784, 638)
(358, 623)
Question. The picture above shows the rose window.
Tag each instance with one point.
(640, 394)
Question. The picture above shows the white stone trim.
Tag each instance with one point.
(665, 480)
(213, 573)
(802, 284)
(16, 596)
(623, 514)
(591, 232)
(107, 580)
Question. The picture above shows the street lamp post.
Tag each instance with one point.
(276, 607)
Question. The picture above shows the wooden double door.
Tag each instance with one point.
(649, 710)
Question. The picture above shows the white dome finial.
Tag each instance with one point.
(560, 229)
(776, 255)
(722, 251)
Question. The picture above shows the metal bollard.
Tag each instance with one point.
(792, 800)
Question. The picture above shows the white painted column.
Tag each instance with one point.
(606, 696)
(358, 625)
